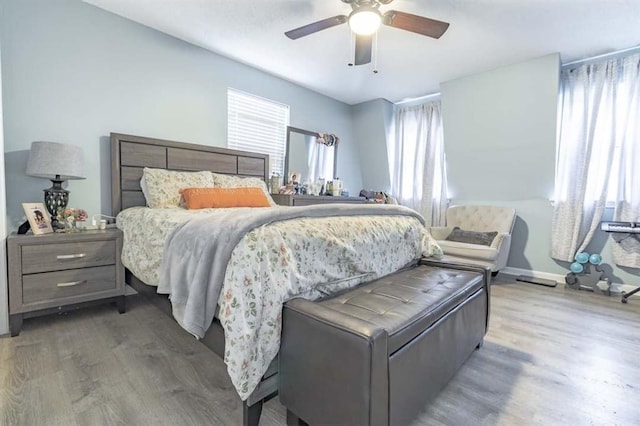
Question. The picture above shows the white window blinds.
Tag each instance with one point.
(259, 125)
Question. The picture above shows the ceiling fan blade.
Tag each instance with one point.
(316, 26)
(414, 23)
(364, 46)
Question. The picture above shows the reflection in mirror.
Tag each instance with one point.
(309, 157)
(320, 160)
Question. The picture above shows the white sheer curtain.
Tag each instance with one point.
(597, 125)
(417, 161)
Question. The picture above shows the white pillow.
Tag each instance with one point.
(143, 187)
(162, 187)
(230, 181)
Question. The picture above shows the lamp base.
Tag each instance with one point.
(56, 198)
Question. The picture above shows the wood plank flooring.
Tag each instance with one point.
(551, 357)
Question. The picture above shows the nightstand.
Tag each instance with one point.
(54, 272)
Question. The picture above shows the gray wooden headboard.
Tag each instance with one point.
(130, 154)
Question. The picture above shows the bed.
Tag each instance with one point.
(131, 154)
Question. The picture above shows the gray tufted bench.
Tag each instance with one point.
(376, 354)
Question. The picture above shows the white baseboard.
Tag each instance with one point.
(616, 288)
(536, 274)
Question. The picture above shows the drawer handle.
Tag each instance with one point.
(70, 256)
(71, 283)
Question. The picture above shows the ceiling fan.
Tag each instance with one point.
(365, 19)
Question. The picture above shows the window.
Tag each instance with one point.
(259, 125)
(605, 115)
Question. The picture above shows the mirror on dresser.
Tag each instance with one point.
(309, 155)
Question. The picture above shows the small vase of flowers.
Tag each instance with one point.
(72, 218)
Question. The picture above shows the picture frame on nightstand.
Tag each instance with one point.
(38, 218)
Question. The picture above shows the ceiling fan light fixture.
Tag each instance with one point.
(365, 20)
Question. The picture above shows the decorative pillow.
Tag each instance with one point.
(202, 198)
(163, 186)
(471, 237)
(229, 181)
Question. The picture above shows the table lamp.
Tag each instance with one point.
(58, 162)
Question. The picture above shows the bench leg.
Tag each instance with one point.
(251, 413)
(293, 420)
(481, 344)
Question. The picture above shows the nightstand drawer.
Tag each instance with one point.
(48, 286)
(55, 257)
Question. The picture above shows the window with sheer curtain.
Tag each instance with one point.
(417, 161)
(598, 155)
(259, 125)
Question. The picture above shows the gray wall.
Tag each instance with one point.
(371, 122)
(496, 117)
(73, 73)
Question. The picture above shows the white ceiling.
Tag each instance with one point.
(484, 34)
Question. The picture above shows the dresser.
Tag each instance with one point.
(305, 200)
(53, 272)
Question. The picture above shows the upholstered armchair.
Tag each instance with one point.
(478, 235)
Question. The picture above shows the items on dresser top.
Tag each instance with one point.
(306, 200)
(377, 197)
(50, 273)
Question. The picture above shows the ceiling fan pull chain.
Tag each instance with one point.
(375, 53)
(352, 47)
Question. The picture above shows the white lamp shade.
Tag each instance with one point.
(51, 159)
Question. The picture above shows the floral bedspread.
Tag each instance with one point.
(145, 231)
(307, 257)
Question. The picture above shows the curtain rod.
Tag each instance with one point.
(418, 99)
(610, 55)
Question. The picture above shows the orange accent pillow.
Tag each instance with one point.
(202, 198)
